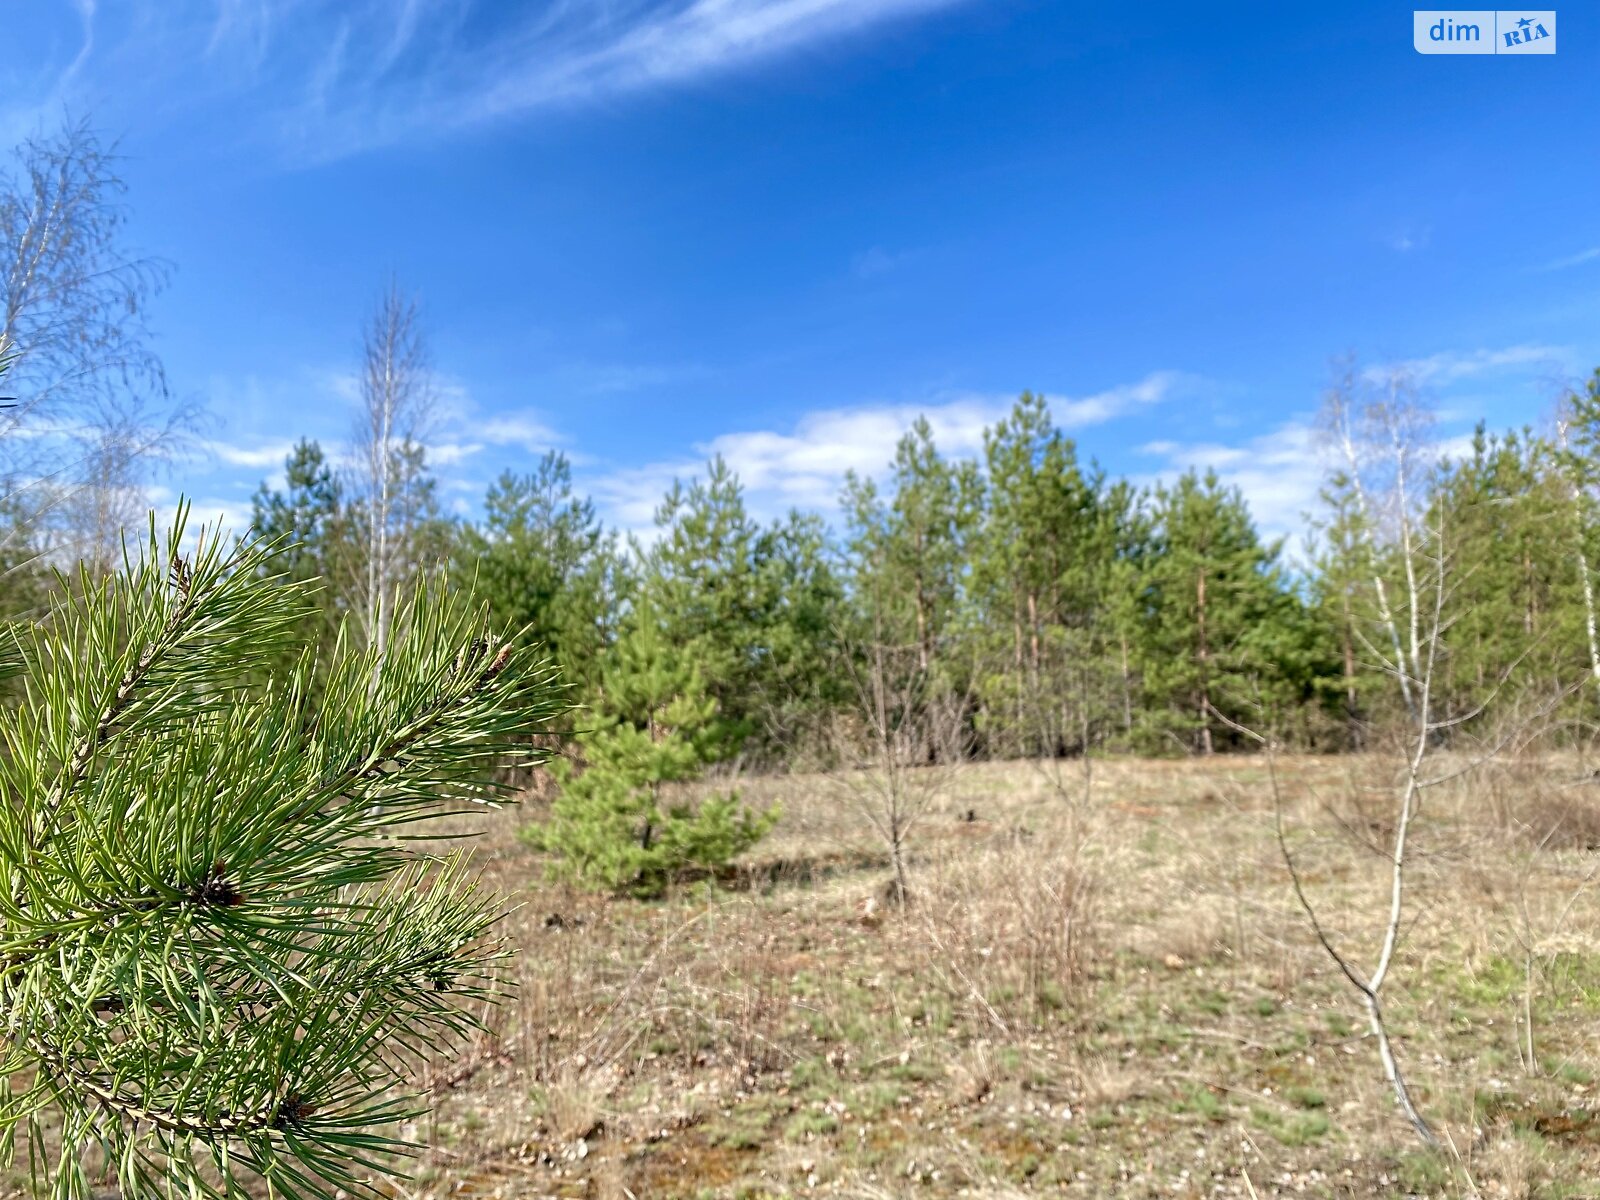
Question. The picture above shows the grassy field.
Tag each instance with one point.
(1099, 991)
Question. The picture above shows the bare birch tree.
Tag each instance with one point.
(92, 412)
(1379, 432)
(397, 401)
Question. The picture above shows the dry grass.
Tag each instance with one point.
(1111, 998)
(1116, 997)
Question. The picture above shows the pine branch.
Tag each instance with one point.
(205, 954)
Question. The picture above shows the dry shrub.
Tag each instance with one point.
(572, 1106)
(1107, 1082)
(1016, 925)
(738, 988)
(1192, 933)
(1509, 1165)
(972, 1074)
(1364, 805)
(1536, 800)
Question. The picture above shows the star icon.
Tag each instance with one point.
(1525, 22)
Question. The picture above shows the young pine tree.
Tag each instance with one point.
(311, 518)
(544, 562)
(622, 821)
(215, 961)
(1220, 617)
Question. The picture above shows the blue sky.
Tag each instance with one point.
(646, 230)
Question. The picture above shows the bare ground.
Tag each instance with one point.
(1101, 994)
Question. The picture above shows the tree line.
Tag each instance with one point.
(1021, 604)
(1065, 611)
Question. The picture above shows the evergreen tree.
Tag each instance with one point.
(1122, 603)
(700, 584)
(911, 549)
(1515, 607)
(624, 820)
(1038, 574)
(1221, 620)
(1578, 431)
(546, 565)
(1342, 601)
(803, 607)
(309, 519)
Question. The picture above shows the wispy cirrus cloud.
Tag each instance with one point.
(324, 79)
(1450, 366)
(1408, 238)
(1592, 254)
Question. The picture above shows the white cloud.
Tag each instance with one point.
(261, 456)
(449, 454)
(518, 429)
(1279, 472)
(670, 43)
(230, 515)
(1409, 238)
(40, 86)
(805, 466)
(1118, 401)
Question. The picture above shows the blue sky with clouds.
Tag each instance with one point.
(647, 230)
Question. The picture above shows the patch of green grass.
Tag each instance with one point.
(1050, 996)
(739, 1133)
(1492, 983)
(746, 1127)
(934, 1012)
(1292, 1129)
(916, 1070)
(1571, 1072)
(1203, 1102)
(810, 1122)
(875, 1099)
(1576, 975)
(858, 1028)
(1292, 1043)
(1305, 1097)
(1423, 1171)
(1266, 1006)
(807, 1073)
